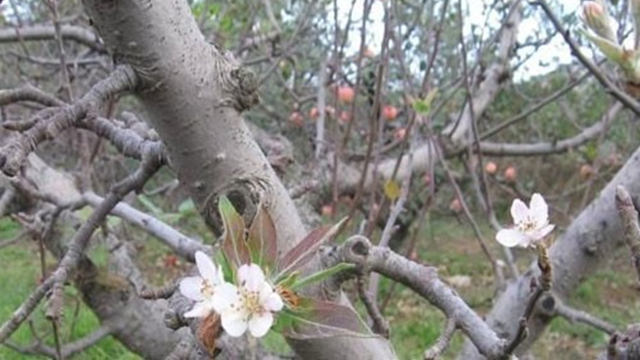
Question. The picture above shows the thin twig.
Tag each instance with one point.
(180, 243)
(442, 343)
(387, 232)
(78, 244)
(522, 332)
(39, 348)
(540, 287)
(13, 240)
(53, 7)
(575, 315)
(380, 325)
(27, 307)
(56, 339)
(497, 271)
(59, 119)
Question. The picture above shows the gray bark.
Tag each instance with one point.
(194, 94)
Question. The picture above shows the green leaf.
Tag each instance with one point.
(611, 50)
(227, 270)
(214, 9)
(307, 247)
(321, 319)
(423, 106)
(234, 246)
(150, 206)
(288, 281)
(186, 207)
(226, 24)
(262, 240)
(321, 275)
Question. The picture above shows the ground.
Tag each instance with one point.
(415, 324)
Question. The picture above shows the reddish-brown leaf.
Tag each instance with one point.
(262, 239)
(308, 246)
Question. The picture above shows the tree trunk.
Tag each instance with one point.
(194, 94)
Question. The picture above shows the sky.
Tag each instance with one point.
(544, 60)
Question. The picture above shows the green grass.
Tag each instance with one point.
(415, 324)
(19, 276)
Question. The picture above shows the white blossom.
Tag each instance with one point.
(531, 224)
(202, 288)
(248, 306)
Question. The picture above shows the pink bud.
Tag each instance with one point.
(596, 18)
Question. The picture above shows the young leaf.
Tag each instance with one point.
(392, 189)
(321, 319)
(321, 275)
(262, 240)
(234, 245)
(186, 207)
(423, 106)
(288, 280)
(147, 203)
(307, 247)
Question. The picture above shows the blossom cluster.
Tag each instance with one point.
(247, 304)
(247, 299)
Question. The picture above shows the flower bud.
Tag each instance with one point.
(596, 18)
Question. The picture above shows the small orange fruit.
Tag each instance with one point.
(510, 174)
(389, 112)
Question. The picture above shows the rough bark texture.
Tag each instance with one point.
(191, 90)
(194, 94)
(590, 240)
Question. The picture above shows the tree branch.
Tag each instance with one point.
(68, 350)
(48, 32)
(181, 244)
(424, 281)
(575, 315)
(58, 119)
(542, 148)
(27, 307)
(79, 242)
(28, 93)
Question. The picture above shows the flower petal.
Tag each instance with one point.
(206, 267)
(251, 277)
(511, 238)
(540, 234)
(234, 322)
(519, 211)
(200, 309)
(539, 209)
(269, 299)
(224, 297)
(260, 324)
(191, 288)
